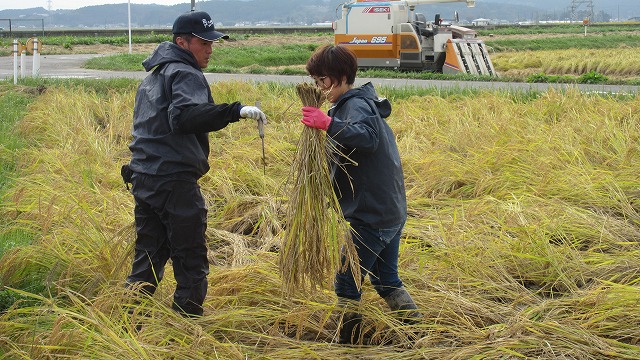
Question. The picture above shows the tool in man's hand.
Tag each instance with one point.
(261, 133)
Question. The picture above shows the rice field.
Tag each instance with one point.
(523, 237)
(621, 63)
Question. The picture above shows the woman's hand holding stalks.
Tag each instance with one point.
(315, 118)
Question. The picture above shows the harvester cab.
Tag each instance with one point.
(390, 34)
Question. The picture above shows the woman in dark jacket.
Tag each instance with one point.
(369, 186)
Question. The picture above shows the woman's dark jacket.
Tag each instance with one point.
(370, 185)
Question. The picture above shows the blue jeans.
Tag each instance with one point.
(378, 253)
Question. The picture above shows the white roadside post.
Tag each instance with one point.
(23, 57)
(15, 61)
(585, 22)
(36, 59)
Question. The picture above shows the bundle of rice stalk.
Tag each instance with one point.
(316, 233)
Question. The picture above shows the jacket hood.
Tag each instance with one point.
(168, 52)
(369, 92)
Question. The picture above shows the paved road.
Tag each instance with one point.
(70, 66)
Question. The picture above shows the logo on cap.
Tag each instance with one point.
(206, 23)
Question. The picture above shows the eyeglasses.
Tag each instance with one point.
(319, 80)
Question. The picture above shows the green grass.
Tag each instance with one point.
(285, 55)
(14, 102)
(14, 237)
(13, 105)
(223, 59)
(118, 62)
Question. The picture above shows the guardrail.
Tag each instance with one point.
(11, 27)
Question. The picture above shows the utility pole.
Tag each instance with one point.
(50, 17)
(575, 4)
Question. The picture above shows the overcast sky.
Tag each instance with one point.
(76, 4)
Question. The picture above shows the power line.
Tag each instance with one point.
(575, 4)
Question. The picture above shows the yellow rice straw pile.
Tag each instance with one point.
(315, 230)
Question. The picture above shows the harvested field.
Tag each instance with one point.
(523, 236)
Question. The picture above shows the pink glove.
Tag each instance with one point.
(315, 118)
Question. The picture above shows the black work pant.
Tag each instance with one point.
(170, 216)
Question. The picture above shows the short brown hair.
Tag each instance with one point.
(334, 61)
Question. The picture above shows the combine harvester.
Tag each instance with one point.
(390, 34)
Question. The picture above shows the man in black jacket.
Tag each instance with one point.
(173, 114)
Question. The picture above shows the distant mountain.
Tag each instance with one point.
(300, 12)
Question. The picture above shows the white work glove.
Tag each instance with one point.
(254, 113)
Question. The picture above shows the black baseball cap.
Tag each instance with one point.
(197, 23)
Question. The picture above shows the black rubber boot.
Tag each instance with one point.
(350, 322)
(350, 329)
(188, 311)
(400, 301)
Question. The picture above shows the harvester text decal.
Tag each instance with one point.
(377, 10)
(374, 40)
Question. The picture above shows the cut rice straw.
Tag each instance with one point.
(316, 234)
